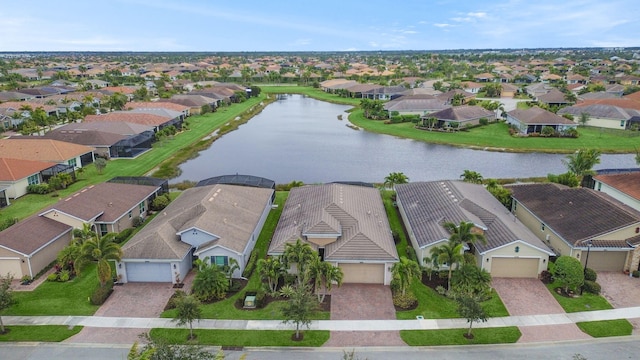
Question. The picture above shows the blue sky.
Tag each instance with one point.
(309, 25)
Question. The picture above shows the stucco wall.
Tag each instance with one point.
(546, 235)
(617, 194)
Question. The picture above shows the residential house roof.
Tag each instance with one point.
(415, 104)
(40, 149)
(628, 183)
(31, 234)
(538, 116)
(128, 117)
(554, 96)
(85, 137)
(17, 169)
(157, 104)
(229, 212)
(428, 205)
(104, 202)
(600, 111)
(121, 128)
(462, 113)
(575, 214)
(354, 213)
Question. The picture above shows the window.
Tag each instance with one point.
(142, 208)
(103, 229)
(542, 227)
(72, 162)
(33, 179)
(220, 260)
(130, 214)
(621, 123)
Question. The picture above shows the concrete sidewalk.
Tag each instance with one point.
(332, 325)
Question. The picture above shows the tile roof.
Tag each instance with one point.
(428, 205)
(538, 116)
(354, 212)
(32, 233)
(575, 214)
(40, 149)
(128, 116)
(413, 104)
(464, 112)
(85, 137)
(628, 183)
(122, 128)
(157, 104)
(104, 202)
(230, 212)
(17, 169)
(600, 111)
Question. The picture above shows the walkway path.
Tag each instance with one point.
(331, 325)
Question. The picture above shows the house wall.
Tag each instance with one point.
(102, 152)
(606, 123)
(48, 254)
(515, 122)
(10, 256)
(412, 236)
(617, 194)
(621, 234)
(221, 251)
(195, 237)
(535, 225)
(321, 241)
(256, 232)
(509, 251)
(17, 188)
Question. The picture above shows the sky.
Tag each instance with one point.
(310, 25)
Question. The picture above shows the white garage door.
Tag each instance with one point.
(11, 266)
(363, 273)
(149, 272)
(514, 267)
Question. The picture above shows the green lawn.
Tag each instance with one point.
(496, 136)
(606, 328)
(48, 333)
(312, 338)
(311, 92)
(502, 335)
(56, 298)
(585, 302)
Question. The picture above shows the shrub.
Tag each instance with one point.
(159, 203)
(137, 221)
(441, 290)
(52, 277)
(251, 265)
(635, 274)
(101, 293)
(174, 299)
(548, 131)
(590, 274)
(38, 189)
(411, 253)
(591, 287)
(483, 121)
(406, 301)
(546, 277)
(123, 235)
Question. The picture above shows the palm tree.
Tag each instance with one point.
(210, 282)
(271, 270)
(582, 161)
(470, 280)
(470, 176)
(99, 250)
(324, 275)
(463, 233)
(449, 253)
(229, 269)
(405, 271)
(395, 178)
(301, 254)
(80, 235)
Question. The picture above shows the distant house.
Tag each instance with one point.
(534, 119)
(460, 116)
(17, 174)
(346, 224)
(157, 121)
(512, 250)
(415, 105)
(554, 97)
(605, 116)
(47, 150)
(215, 223)
(623, 187)
(573, 221)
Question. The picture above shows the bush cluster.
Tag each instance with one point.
(406, 301)
(38, 189)
(173, 300)
(160, 202)
(251, 265)
(123, 235)
(101, 293)
(591, 287)
(590, 274)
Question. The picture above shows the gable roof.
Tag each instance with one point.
(130, 117)
(600, 111)
(230, 212)
(628, 183)
(121, 128)
(31, 234)
(104, 202)
(428, 205)
(355, 213)
(40, 149)
(464, 112)
(85, 137)
(576, 214)
(17, 169)
(538, 116)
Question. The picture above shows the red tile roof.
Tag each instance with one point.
(136, 118)
(17, 169)
(628, 183)
(39, 149)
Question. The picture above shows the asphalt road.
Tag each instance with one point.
(627, 347)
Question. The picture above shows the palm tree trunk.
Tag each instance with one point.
(1, 326)
(449, 279)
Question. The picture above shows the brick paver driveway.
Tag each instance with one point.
(531, 297)
(621, 291)
(128, 300)
(363, 302)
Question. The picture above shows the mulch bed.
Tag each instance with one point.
(435, 281)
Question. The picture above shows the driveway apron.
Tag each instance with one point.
(621, 291)
(363, 302)
(531, 297)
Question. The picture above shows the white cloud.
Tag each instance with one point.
(442, 25)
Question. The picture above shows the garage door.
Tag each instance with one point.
(149, 272)
(514, 267)
(606, 260)
(11, 266)
(363, 273)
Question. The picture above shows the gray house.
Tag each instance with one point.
(216, 222)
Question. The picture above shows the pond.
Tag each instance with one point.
(300, 138)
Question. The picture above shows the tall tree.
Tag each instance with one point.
(395, 178)
(405, 271)
(6, 297)
(229, 269)
(324, 274)
(568, 272)
(470, 308)
(584, 118)
(470, 176)
(463, 233)
(300, 307)
(99, 250)
(582, 161)
(187, 311)
(449, 253)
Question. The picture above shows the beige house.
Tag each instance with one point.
(17, 174)
(512, 250)
(623, 187)
(346, 224)
(573, 221)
